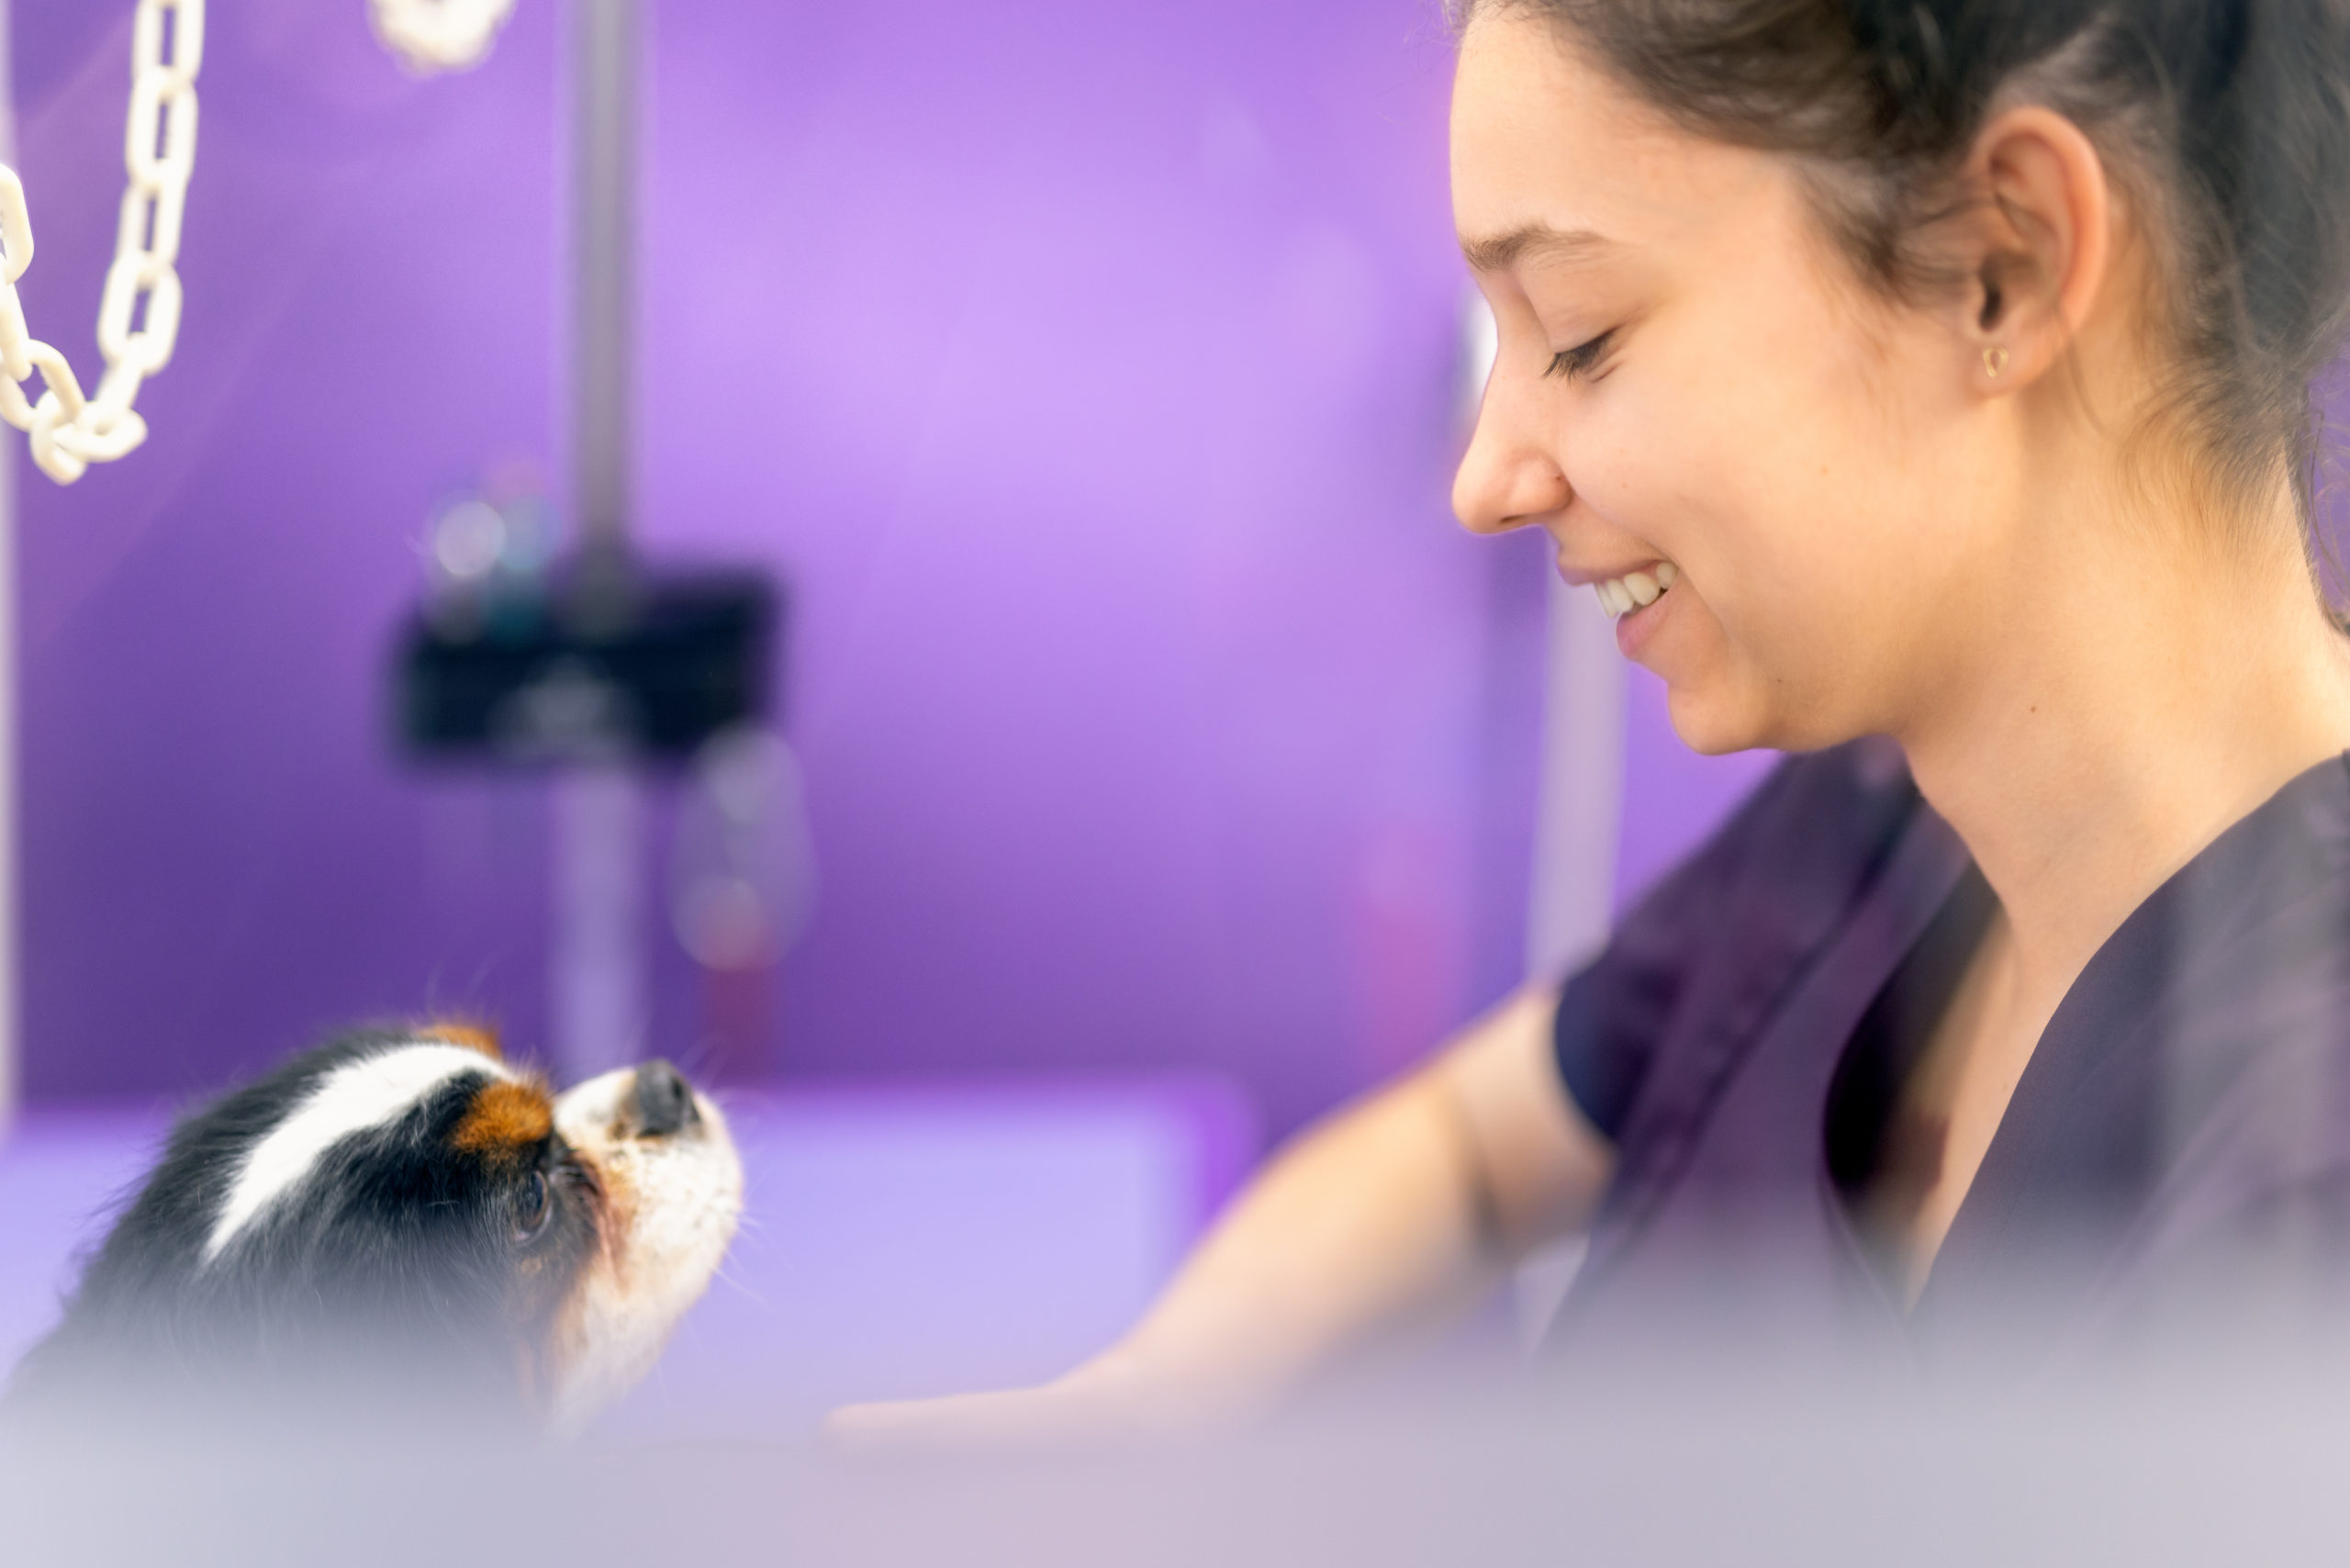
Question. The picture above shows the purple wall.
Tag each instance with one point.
(219, 857)
(1087, 369)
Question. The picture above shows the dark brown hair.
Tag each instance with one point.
(2229, 123)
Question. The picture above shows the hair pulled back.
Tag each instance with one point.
(2227, 121)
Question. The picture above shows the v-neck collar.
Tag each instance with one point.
(2078, 1142)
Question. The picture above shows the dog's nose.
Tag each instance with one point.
(664, 1104)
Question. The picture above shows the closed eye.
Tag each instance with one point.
(1579, 360)
(533, 1208)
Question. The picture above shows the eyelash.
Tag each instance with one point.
(1579, 360)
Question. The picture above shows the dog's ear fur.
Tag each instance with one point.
(396, 1219)
(398, 1250)
(482, 1037)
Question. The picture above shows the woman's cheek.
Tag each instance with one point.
(1718, 699)
(1620, 459)
(1757, 659)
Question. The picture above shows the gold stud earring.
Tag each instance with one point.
(1995, 359)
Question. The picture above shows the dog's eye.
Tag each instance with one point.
(536, 1207)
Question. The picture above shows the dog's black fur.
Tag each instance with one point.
(407, 1262)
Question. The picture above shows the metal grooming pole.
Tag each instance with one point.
(11, 1071)
(601, 930)
(10, 1068)
(1578, 813)
(603, 280)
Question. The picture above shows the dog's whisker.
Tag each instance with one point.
(736, 1281)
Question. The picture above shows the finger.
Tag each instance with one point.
(958, 1418)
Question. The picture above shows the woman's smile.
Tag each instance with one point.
(1637, 618)
(1634, 598)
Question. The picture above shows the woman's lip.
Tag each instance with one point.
(1634, 631)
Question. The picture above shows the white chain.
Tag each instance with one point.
(439, 35)
(71, 429)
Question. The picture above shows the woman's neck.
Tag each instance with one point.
(2111, 723)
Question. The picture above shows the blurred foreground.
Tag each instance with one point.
(916, 1241)
(2196, 1470)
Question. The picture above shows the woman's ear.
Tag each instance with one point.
(2038, 246)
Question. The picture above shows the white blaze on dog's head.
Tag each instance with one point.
(401, 1202)
(369, 1092)
(673, 1191)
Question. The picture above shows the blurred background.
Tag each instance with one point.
(1089, 378)
(1089, 374)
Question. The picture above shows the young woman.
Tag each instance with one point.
(1925, 388)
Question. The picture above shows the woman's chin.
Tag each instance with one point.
(1712, 724)
(1716, 718)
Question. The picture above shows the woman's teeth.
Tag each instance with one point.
(1636, 590)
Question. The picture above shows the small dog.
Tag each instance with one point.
(401, 1210)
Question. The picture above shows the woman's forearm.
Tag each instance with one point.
(1394, 1213)
(1370, 1222)
(1393, 1210)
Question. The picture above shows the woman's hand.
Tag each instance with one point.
(1105, 1397)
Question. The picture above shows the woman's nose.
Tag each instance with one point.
(1506, 481)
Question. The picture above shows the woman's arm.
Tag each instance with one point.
(1403, 1207)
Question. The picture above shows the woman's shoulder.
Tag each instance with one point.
(1859, 774)
(1815, 827)
(1728, 928)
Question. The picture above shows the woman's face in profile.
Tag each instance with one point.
(1689, 372)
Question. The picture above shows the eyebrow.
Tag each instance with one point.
(1494, 252)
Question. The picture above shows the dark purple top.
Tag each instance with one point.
(2185, 1117)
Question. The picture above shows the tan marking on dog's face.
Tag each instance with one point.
(567, 1346)
(472, 1036)
(506, 1118)
(555, 1298)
